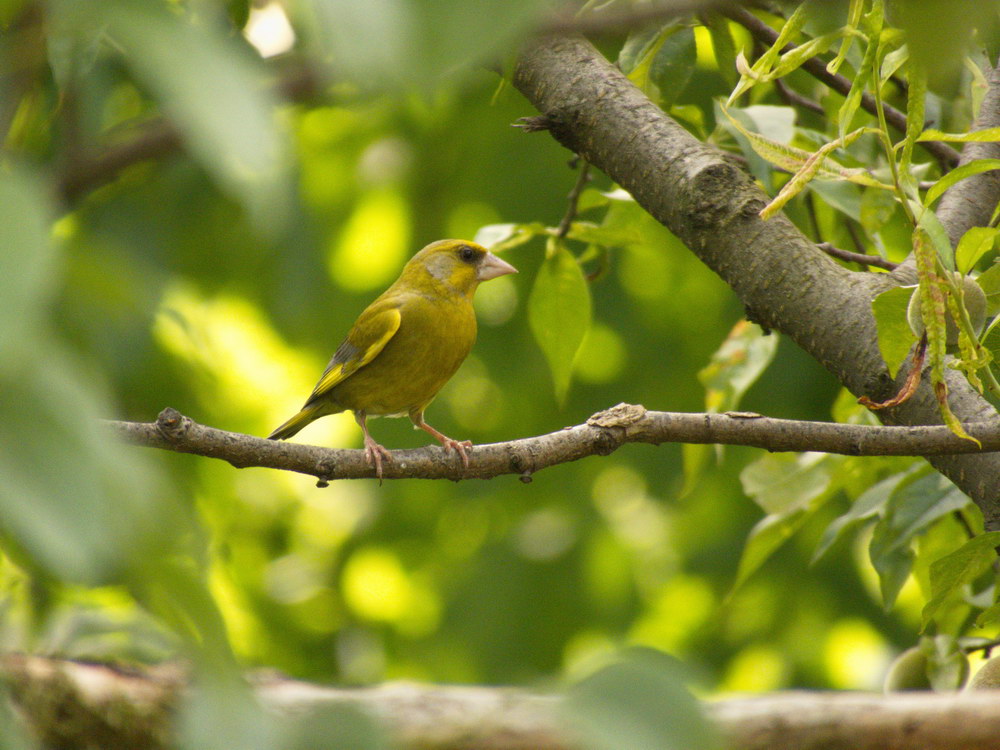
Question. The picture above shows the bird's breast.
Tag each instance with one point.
(433, 339)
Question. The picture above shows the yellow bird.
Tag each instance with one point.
(405, 346)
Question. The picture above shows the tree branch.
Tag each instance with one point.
(713, 207)
(946, 156)
(156, 139)
(970, 202)
(600, 435)
(74, 705)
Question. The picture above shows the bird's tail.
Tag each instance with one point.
(296, 423)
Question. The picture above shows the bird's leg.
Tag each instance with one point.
(374, 453)
(458, 446)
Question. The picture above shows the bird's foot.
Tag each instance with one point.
(459, 446)
(374, 453)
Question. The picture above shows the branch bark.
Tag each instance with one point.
(602, 434)
(784, 281)
(73, 705)
(970, 203)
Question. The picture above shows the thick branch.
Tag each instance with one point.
(971, 202)
(946, 156)
(73, 705)
(602, 434)
(783, 280)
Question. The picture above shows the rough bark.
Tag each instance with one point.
(784, 281)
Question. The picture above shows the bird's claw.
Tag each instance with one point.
(459, 446)
(374, 453)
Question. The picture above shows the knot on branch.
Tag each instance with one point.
(172, 424)
(620, 415)
(613, 426)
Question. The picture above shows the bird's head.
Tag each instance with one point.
(456, 265)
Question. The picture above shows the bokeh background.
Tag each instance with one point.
(182, 283)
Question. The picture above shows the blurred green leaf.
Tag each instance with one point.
(396, 43)
(639, 703)
(665, 64)
(28, 261)
(214, 91)
(782, 482)
(868, 504)
(913, 506)
(559, 314)
(961, 567)
(764, 539)
(895, 338)
(93, 512)
(989, 280)
(736, 365)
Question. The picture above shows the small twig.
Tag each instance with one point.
(859, 244)
(155, 139)
(862, 258)
(573, 199)
(946, 156)
(794, 98)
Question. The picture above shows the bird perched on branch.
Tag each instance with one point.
(405, 346)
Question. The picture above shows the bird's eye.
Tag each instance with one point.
(467, 254)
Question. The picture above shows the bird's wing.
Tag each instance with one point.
(367, 338)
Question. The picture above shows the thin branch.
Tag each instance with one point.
(946, 156)
(573, 199)
(155, 139)
(862, 258)
(70, 704)
(601, 435)
(793, 98)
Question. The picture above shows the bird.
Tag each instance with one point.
(405, 346)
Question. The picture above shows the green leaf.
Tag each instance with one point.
(867, 504)
(988, 616)
(227, 116)
(763, 541)
(723, 46)
(916, 505)
(98, 508)
(27, 260)
(895, 338)
(987, 135)
(660, 64)
(639, 703)
(559, 314)
(892, 565)
(782, 482)
(957, 175)
(929, 222)
(736, 365)
(911, 509)
(989, 280)
(975, 243)
(961, 567)
(605, 236)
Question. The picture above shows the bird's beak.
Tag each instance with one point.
(491, 266)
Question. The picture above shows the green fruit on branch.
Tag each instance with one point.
(975, 305)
